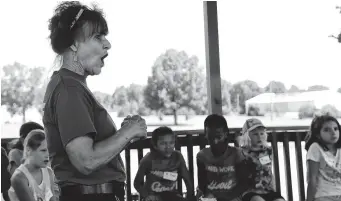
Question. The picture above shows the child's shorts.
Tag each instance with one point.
(170, 196)
(267, 196)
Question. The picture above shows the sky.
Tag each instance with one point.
(260, 40)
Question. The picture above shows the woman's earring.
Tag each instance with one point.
(74, 56)
(74, 49)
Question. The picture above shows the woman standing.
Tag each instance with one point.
(83, 141)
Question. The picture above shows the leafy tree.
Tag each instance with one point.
(294, 89)
(330, 110)
(339, 36)
(176, 82)
(136, 99)
(317, 88)
(105, 99)
(39, 97)
(187, 112)
(226, 96)
(275, 87)
(242, 91)
(306, 111)
(130, 100)
(18, 85)
(254, 110)
(120, 96)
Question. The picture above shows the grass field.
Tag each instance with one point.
(10, 125)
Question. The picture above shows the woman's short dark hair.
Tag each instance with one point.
(24, 130)
(315, 132)
(35, 138)
(62, 35)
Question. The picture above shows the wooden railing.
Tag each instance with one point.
(192, 138)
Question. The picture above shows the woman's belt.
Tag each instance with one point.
(105, 188)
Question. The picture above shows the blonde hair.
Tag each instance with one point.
(32, 141)
(245, 140)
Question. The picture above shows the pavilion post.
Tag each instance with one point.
(212, 58)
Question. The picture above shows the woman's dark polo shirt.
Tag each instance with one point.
(71, 111)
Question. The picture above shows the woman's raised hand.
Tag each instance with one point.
(137, 125)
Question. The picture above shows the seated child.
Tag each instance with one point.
(15, 155)
(162, 167)
(5, 175)
(217, 164)
(255, 148)
(33, 180)
(324, 159)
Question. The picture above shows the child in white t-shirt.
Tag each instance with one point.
(324, 160)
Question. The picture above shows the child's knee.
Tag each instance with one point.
(257, 198)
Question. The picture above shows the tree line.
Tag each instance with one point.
(176, 86)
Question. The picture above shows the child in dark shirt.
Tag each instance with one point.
(255, 149)
(5, 175)
(162, 167)
(218, 175)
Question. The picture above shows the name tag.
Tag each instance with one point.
(172, 176)
(208, 199)
(265, 160)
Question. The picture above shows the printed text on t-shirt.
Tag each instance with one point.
(212, 168)
(221, 186)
